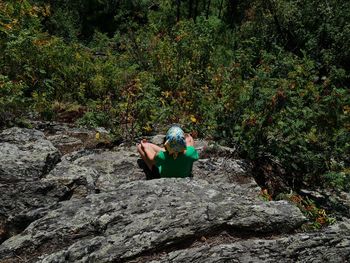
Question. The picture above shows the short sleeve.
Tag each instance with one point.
(160, 158)
(192, 153)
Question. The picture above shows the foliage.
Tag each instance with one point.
(338, 180)
(264, 195)
(12, 102)
(269, 76)
(317, 217)
(289, 117)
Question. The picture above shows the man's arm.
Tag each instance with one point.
(149, 151)
(189, 140)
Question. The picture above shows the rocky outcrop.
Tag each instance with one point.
(95, 205)
(331, 199)
(97, 171)
(332, 245)
(25, 157)
(67, 138)
(143, 216)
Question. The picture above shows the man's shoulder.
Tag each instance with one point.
(161, 155)
(191, 152)
(190, 149)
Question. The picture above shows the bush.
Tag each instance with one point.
(13, 105)
(318, 217)
(289, 118)
(269, 76)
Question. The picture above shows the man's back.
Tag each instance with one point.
(179, 167)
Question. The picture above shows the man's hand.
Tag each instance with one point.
(189, 140)
(143, 143)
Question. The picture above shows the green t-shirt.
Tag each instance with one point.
(180, 167)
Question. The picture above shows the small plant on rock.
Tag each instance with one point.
(318, 217)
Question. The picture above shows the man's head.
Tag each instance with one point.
(175, 142)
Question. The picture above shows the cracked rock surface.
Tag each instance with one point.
(145, 215)
(25, 157)
(333, 245)
(95, 205)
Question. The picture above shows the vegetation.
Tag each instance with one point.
(271, 76)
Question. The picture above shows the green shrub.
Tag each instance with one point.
(286, 115)
(13, 105)
(99, 114)
(317, 216)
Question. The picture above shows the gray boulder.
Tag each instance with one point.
(87, 172)
(68, 138)
(95, 171)
(329, 245)
(65, 142)
(96, 206)
(25, 157)
(144, 216)
(226, 170)
(114, 167)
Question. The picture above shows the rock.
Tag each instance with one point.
(330, 245)
(23, 202)
(93, 171)
(218, 164)
(142, 216)
(96, 206)
(105, 170)
(50, 127)
(97, 171)
(26, 156)
(226, 170)
(68, 138)
(64, 142)
(158, 139)
(336, 202)
(80, 180)
(211, 149)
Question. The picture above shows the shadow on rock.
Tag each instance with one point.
(149, 174)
